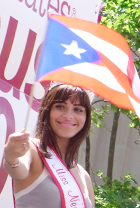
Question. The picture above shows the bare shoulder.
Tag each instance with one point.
(85, 173)
(33, 143)
(88, 183)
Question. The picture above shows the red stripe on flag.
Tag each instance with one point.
(131, 69)
(67, 76)
(122, 78)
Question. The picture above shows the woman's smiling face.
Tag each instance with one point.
(67, 118)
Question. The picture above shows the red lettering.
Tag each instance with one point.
(58, 170)
(35, 103)
(52, 7)
(6, 110)
(7, 46)
(31, 5)
(54, 166)
(61, 176)
(16, 93)
(65, 7)
(40, 13)
(74, 198)
(73, 205)
(65, 182)
(68, 6)
(18, 80)
(63, 179)
(4, 87)
(45, 84)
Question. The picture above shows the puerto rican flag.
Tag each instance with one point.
(90, 56)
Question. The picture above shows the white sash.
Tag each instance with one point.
(70, 192)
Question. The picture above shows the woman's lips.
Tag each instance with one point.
(66, 124)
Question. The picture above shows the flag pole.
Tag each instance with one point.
(32, 87)
(29, 106)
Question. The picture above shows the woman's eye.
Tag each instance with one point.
(59, 106)
(79, 110)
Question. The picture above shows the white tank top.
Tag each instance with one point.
(43, 193)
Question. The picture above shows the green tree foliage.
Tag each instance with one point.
(124, 17)
(97, 115)
(122, 194)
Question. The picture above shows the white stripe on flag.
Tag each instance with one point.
(97, 72)
(117, 56)
(136, 85)
(136, 106)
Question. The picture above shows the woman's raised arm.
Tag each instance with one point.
(17, 155)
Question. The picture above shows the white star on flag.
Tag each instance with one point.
(73, 49)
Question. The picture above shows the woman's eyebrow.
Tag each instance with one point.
(60, 102)
(78, 105)
(75, 104)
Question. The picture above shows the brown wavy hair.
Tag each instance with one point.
(44, 131)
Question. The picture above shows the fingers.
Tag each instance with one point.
(23, 130)
(19, 138)
(17, 145)
(25, 146)
(19, 135)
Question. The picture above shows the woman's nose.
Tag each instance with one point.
(68, 114)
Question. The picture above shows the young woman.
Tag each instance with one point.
(44, 170)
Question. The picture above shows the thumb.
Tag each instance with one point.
(23, 130)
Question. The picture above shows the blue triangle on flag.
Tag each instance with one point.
(53, 56)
